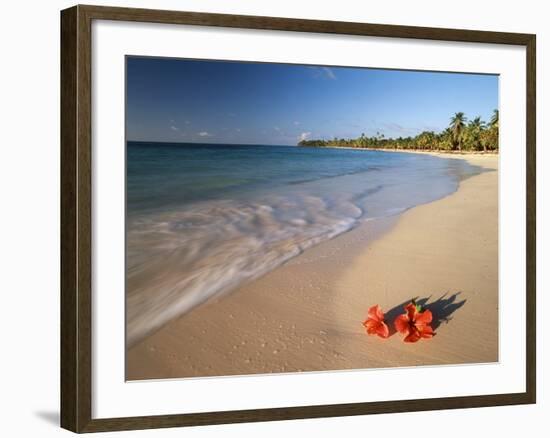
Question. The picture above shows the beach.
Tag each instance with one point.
(307, 314)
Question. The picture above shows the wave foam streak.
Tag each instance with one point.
(179, 260)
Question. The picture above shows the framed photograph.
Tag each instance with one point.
(270, 218)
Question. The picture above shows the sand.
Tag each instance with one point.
(307, 314)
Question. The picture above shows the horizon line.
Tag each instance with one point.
(213, 143)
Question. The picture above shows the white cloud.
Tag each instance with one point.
(304, 136)
(322, 72)
(329, 73)
(174, 128)
(204, 134)
(403, 130)
(296, 123)
(276, 128)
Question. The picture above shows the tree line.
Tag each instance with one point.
(461, 135)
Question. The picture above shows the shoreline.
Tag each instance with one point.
(307, 314)
(436, 152)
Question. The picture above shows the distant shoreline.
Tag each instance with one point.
(409, 151)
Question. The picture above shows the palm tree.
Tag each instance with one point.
(494, 119)
(492, 133)
(458, 122)
(426, 140)
(475, 127)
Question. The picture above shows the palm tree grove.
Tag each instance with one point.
(461, 135)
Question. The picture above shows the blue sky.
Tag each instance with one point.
(177, 100)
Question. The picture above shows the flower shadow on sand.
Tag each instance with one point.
(442, 309)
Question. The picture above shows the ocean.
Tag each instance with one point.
(204, 218)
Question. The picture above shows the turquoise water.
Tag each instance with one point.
(203, 219)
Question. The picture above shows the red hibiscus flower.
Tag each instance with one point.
(375, 324)
(414, 323)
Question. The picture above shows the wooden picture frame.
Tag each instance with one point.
(76, 218)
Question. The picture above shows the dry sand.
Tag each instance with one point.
(307, 314)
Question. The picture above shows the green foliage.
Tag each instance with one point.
(494, 119)
(460, 135)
